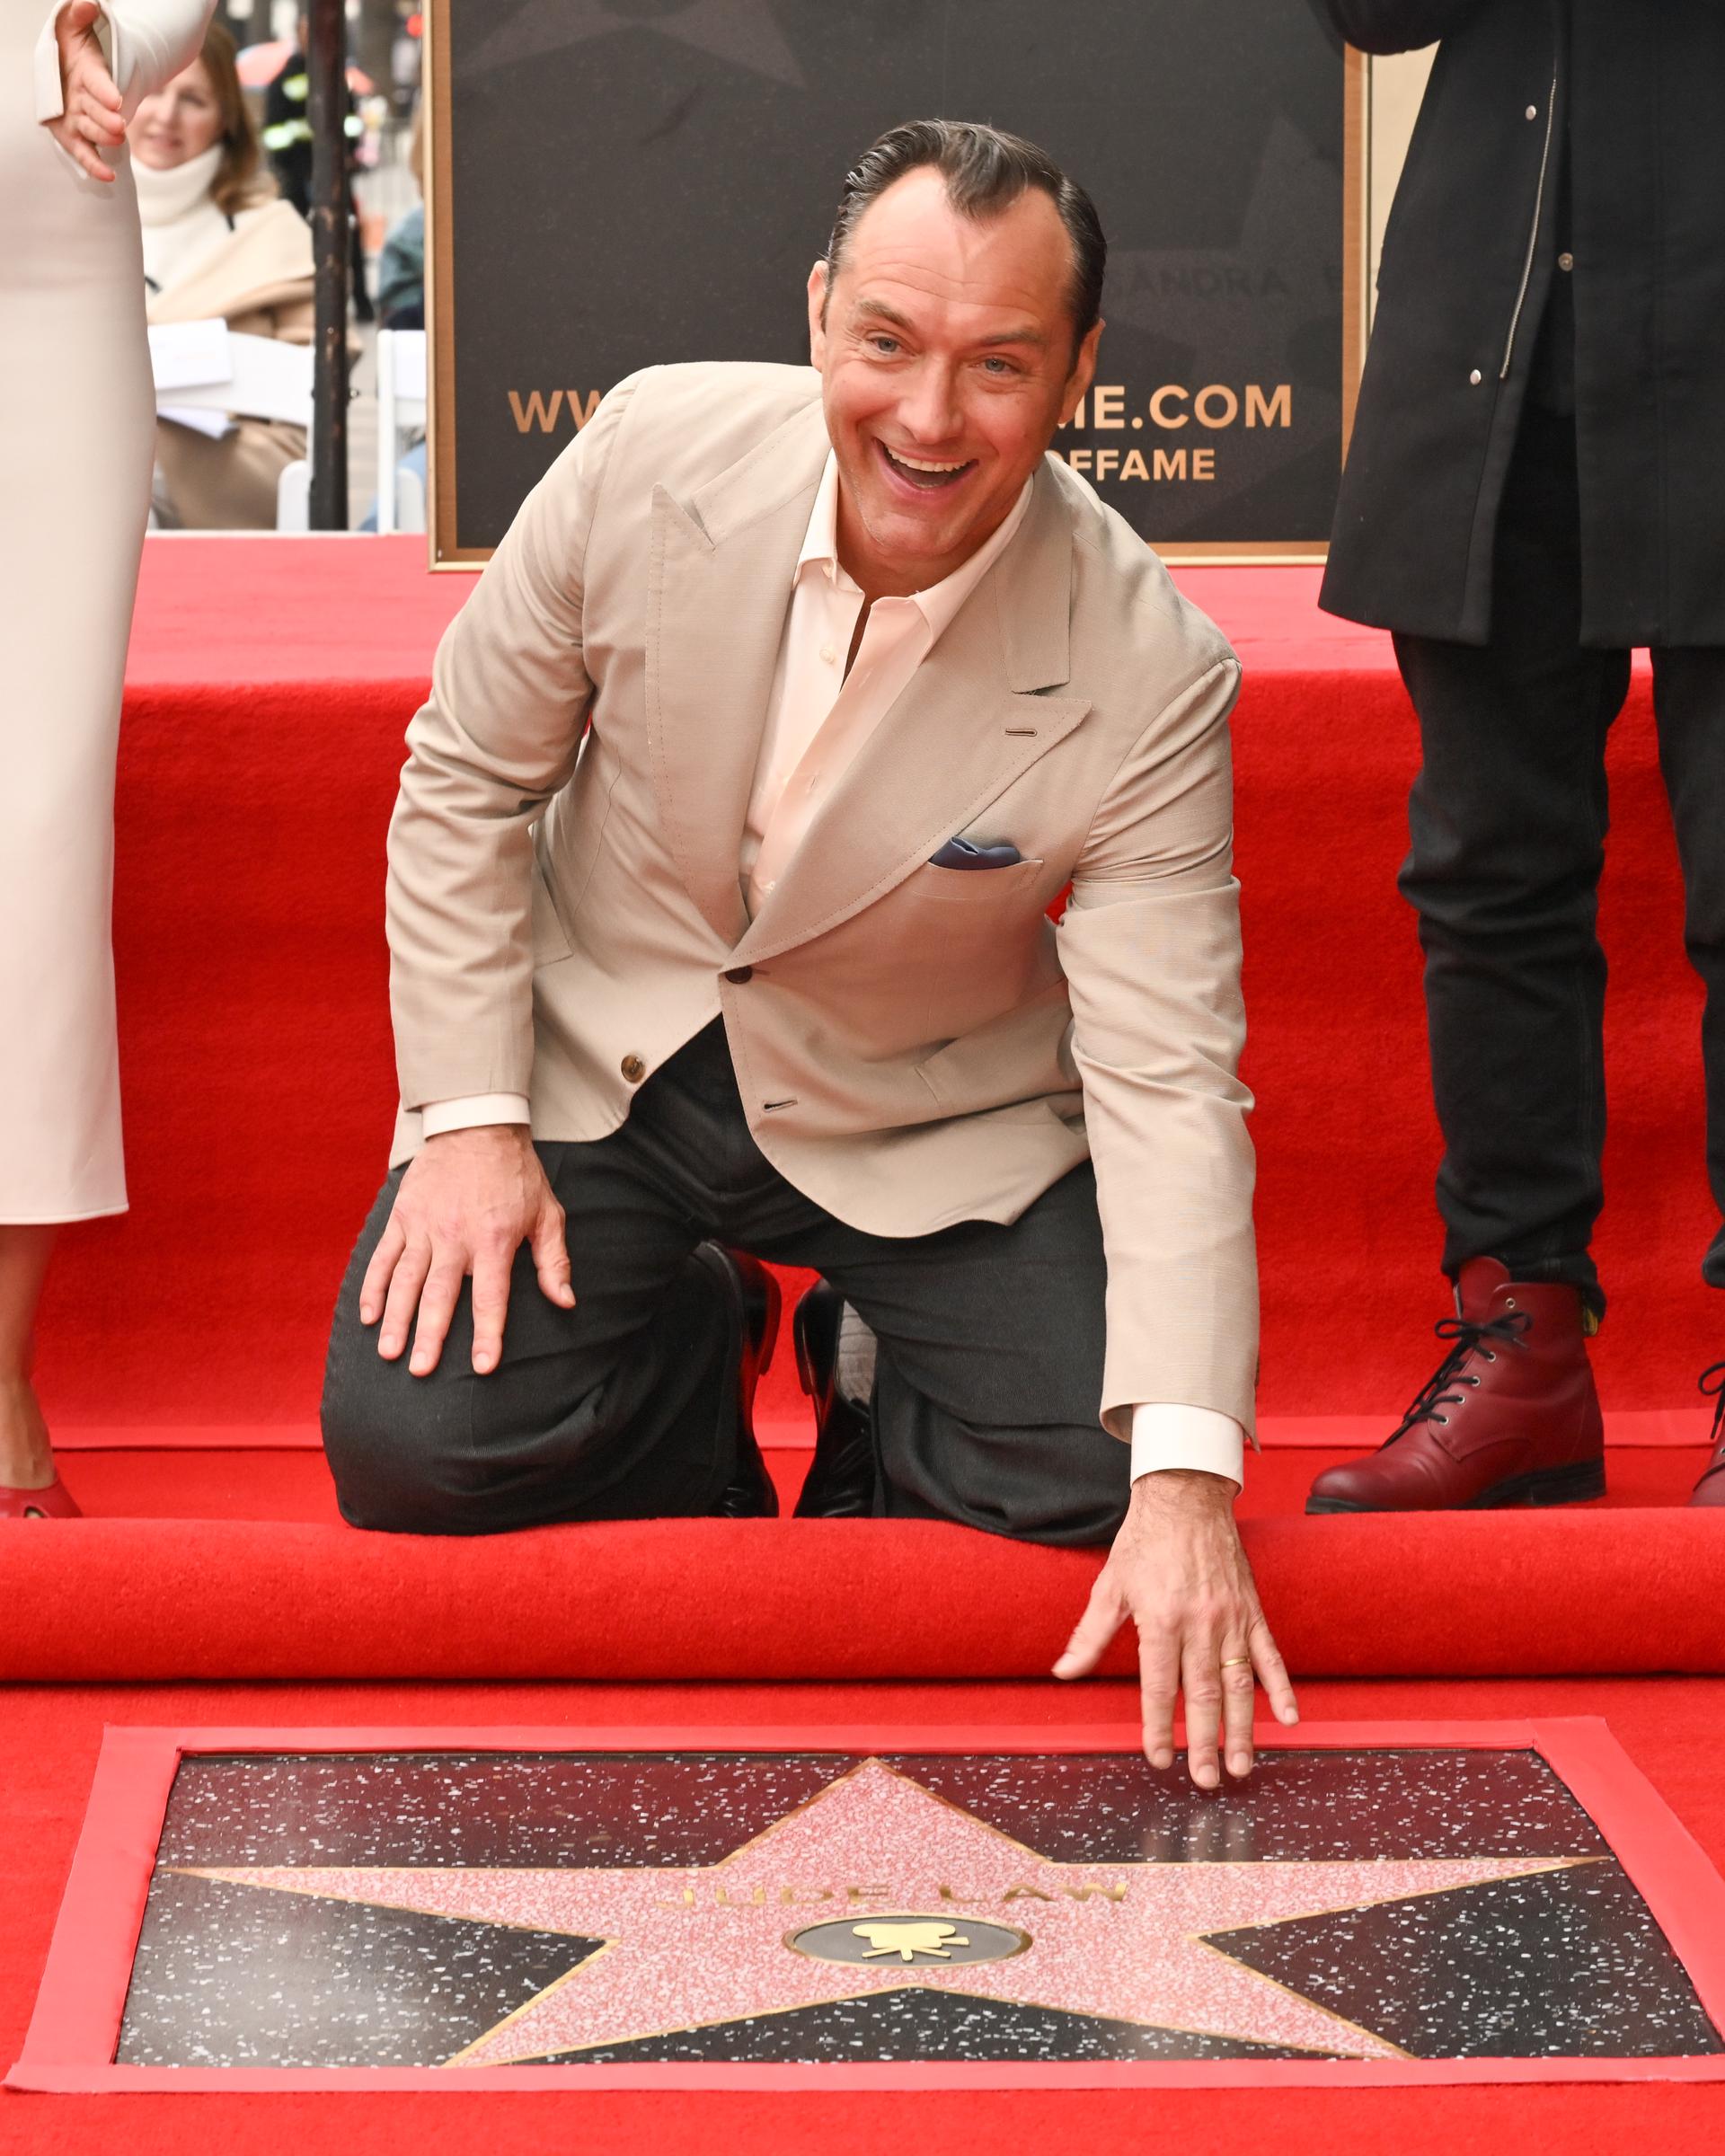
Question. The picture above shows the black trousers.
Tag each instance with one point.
(1508, 820)
(988, 1378)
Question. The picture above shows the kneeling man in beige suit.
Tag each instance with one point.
(718, 911)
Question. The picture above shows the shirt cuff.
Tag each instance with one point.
(1165, 1435)
(472, 1110)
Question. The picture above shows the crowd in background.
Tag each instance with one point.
(223, 160)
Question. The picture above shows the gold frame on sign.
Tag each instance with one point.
(440, 316)
(1356, 319)
(441, 310)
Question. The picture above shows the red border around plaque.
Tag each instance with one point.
(75, 2029)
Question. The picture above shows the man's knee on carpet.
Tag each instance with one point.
(404, 1463)
(572, 1424)
(459, 1452)
(401, 1447)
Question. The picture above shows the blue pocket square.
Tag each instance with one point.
(960, 853)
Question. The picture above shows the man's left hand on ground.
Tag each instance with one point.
(1178, 1570)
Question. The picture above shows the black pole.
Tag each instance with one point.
(327, 67)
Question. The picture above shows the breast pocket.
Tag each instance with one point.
(979, 938)
(974, 887)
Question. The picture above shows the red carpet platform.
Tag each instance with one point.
(269, 685)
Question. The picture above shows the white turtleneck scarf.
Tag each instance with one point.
(182, 224)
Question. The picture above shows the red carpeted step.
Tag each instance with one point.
(258, 766)
(1446, 1594)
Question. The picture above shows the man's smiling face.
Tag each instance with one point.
(945, 350)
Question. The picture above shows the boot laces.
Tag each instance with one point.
(1467, 1337)
(1712, 1383)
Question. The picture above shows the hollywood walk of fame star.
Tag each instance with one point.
(692, 1947)
(741, 32)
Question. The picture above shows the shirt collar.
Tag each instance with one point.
(940, 601)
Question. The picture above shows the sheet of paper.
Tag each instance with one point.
(190, 355)
(270, 379)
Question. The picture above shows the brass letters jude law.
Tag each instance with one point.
(797, 1895)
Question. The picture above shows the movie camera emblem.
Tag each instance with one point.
(907, 1941)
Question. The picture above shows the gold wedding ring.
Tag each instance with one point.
(1236, 1661)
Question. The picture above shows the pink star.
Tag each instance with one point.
(691, 1946)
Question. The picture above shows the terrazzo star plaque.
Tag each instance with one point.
(524, 1912)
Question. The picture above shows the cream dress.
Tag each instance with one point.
(77, 425)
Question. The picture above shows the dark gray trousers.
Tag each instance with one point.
(1507, 819)
(987, 1383)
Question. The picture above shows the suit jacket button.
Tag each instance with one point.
(740, 974)
(633, 1069)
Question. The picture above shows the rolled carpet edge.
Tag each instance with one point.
(1435, 1594)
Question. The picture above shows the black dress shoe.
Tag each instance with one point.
(755, 1299)
(840, 1485)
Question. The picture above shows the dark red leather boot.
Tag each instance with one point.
(1509, 1418)
(1711, 1488)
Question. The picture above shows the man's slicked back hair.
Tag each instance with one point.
(986, 171)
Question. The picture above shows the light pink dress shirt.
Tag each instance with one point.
(819, 717)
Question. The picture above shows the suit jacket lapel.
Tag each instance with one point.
(719, 585)
(970, 721)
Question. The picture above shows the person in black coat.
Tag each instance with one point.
(1534, 488)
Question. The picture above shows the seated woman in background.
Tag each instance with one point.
(218, 242)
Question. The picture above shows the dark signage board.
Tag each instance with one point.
(616, 183)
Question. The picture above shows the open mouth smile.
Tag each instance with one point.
(927, 475)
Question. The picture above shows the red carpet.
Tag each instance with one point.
(269, 683)
(1516, 1593)
(235, 1564)
(1673, 1728)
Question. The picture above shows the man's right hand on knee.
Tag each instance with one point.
(468, 1201)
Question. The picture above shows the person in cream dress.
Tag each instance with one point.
(77, 428)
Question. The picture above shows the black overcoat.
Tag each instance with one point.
(1469, 256)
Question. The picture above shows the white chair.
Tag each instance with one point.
(401, 415)
(294, 497)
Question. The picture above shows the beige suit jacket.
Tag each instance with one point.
(914, 1046)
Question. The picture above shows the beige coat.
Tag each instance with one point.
(259, 281)
(914, 1046)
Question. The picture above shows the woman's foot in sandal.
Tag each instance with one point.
(29, 1486)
